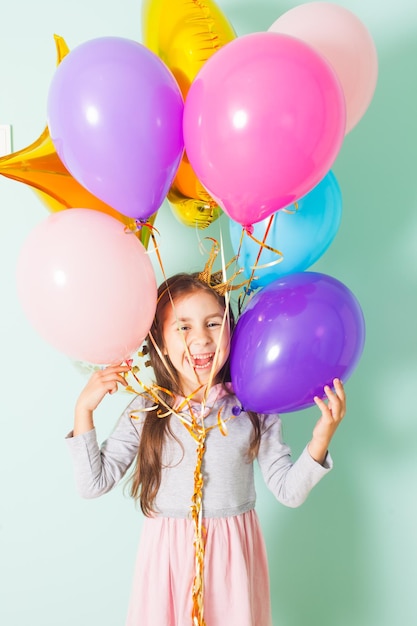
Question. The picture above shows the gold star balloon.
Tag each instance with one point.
(39, 166)
(185, 34)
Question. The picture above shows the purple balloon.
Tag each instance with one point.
(296, 335)
(115, 118)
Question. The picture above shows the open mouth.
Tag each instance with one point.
(202, 361)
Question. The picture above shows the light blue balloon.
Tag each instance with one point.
(302, 233)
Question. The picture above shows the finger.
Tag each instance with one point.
(336, 403)
(339, 388)
(321, 404)
(334, 394)
(113, 379)
(116, 368)
(112, 385)
(112, 371)
(330, 395)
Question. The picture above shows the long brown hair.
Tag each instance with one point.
(146, 477)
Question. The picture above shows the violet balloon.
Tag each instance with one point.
(115, 118)
(263, 123)
(295, 336)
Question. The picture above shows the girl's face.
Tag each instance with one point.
(192, 332)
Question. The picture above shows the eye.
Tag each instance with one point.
(183, 328)
(213, 324)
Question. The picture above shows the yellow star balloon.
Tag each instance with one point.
(185, 34)
(39, 166)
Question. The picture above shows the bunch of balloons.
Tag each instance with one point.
(301, 329)
(247, 126)
(115, 119)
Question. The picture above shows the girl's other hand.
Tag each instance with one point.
(100, 383)
(332, 412)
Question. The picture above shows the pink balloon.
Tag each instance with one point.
(263, 122)
(87, 286)
(340, 36)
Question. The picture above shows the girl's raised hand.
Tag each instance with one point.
(332, 412)
(100, 383)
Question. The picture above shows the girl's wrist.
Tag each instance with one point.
(83, 421)
(318, 450)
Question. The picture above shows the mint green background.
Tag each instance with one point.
(348, 556)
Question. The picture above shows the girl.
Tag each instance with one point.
(194, 481)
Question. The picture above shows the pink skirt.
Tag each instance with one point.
(235, 573)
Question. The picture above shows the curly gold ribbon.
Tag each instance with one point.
(248, 231)
(195, 426)
(198, 430)
(217, 280)
(199, 533)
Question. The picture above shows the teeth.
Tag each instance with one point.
(200, 361)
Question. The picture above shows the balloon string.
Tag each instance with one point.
(291, 211)
(146, 229)
(199, 533)
(197, 429)
(195, 425)
(198, 432)
(143, 230)
(262, 246)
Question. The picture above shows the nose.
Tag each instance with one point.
(200, 336)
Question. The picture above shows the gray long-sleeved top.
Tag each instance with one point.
(229, 487)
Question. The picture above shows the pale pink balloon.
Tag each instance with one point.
(263, 123)
(87, 286)
(341, 37)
